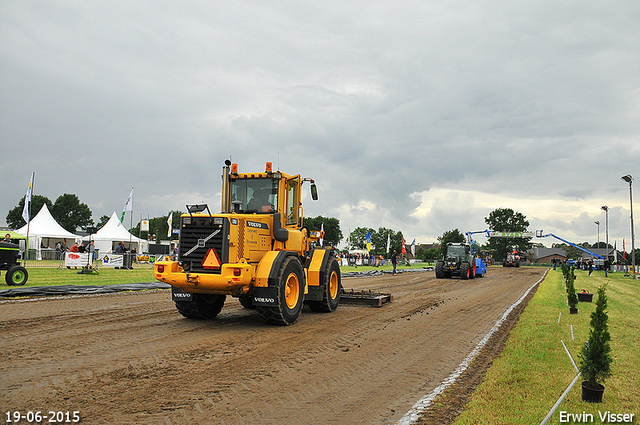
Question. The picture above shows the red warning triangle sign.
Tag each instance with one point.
(211, 260)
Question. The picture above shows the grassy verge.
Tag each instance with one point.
(534, 370)
(53, 276)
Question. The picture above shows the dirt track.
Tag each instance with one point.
(131, 358)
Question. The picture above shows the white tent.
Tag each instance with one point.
(45, 232)
(112, 233)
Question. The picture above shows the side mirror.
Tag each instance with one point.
(314, 192)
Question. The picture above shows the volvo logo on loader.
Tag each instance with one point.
(257, 225)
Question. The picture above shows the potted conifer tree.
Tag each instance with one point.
(572, 298)
(595, 358)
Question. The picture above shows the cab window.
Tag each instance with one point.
(293, 200)
(254, 195)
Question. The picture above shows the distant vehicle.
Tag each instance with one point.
(512, 260)
(571, 262)
(457, 261)
(481, 268)
(16, 274)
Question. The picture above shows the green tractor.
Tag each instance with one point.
(457, 261)
(16, 274)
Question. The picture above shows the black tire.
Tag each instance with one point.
(440, 269)
(16, 276)
(203, 306)
(331, 289)
(464, 270)
(247, 302)
(289, 294)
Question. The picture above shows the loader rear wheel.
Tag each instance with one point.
(464, 270)
(16, 276)
(203, 306)
(331, 289)
(440, 269)
(289, 294)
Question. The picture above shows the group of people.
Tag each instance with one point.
(369, 260)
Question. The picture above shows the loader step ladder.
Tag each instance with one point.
(375, 299)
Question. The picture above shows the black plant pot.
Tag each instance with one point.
(573, 310)
(590, 394)
(584, 297)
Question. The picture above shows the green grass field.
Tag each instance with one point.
(534, 370)
(53, 276)
(49, 274)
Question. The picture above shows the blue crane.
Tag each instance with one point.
(539, 234)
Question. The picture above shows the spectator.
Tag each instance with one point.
(394, 261)
(7, 238)
(74, 248)
(91, 249)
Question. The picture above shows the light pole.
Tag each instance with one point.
(629, 180)
(606, 232)
(598, 223)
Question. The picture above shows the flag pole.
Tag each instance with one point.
(130, 235)
(27, 208)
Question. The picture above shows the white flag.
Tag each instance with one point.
(169, 222)
(388, 242)
(27, 200)
(128, 206)
(413, 247)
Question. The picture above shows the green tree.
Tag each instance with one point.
(70, 213)
(454, 236)
(357, 238)
(507, 220)
(381, 241)
(14, 216)
(103, 220)
(595, 357)
(332, 232)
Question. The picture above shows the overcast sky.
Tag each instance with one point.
(419, 116)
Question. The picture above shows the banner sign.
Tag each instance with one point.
(76, 259)
(151, 258)
(144, 225)
(494, 234)
(112, 260)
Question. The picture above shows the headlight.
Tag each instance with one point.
(218, 220)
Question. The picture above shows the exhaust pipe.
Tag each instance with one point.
(225, 187)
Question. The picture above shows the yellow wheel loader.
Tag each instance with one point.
(255, 249)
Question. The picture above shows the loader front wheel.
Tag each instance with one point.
(331, 289)
(290, 295)
(440, 270)
(203, 306)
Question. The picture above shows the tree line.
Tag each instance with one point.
(72, 215)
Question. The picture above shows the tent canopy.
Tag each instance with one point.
(112, 233)
(45, 232)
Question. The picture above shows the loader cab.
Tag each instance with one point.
(254, 195)
(265, 193)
